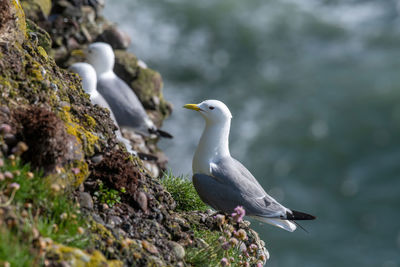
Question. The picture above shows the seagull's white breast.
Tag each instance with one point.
(212, 147)
(201, 163)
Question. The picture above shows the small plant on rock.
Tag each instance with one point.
(34, 214)
(183, 192)
(230, 246)
(107, 195)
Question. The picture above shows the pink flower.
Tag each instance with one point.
(220, 219)
(5, 128)
(238, 214)
(233, 241)
(14, 186)
(241, 234)
(8, 175)
(224, 262)
(253, 247)
(226, 246)
(227, 233)
(75, 170)
(260, 264)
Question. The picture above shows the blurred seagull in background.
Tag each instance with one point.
(89, 81)
(223, 182)
(126, 106)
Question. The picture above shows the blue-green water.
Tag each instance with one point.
(314, 88)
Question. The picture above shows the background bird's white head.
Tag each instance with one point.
(101, 57)
(87, 74)
(213, 111)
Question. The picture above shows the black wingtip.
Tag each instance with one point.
(147, 157)
(300, 216)
(164, 134)
(301, 227)
(160, 133)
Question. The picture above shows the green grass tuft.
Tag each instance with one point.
(36, 205)
(213, 253)
(13, 250)
(183, 192)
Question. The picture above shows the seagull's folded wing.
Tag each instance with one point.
(232, 185)
(125, 105)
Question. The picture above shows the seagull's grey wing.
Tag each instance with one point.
(231, 185)
(125, 105)
(218, 195)
(99, 100)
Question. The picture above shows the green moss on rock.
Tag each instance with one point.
(39, 35)
(36, 9)
(30, 77)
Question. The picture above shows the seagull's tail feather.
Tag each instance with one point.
(160, 133)
(164, 134)
(299, 216)
(283, 224)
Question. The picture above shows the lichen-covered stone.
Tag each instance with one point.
(36, 9)
(39, 35)
(29, 77)
(12, 22)
(58, 253)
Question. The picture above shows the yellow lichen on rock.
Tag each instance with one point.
(42, 52)
(80, 171)
(101, 231)
(36, 9)
(20, 17)
(36, 71)
(90, 121)
(12, 22)
(71, 175)
(85, 137)
(79, 258)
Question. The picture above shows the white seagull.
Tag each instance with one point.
(223, 182)
(89, 81)
(126, 106)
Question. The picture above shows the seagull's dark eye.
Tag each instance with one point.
(211, 107)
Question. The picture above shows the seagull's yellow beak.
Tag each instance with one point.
(192, 106)
(78, 52)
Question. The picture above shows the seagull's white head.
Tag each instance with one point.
(213, 111)
(101, 57)
(87, 74)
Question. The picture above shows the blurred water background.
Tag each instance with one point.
(314, 88)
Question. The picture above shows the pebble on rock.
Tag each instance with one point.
(177, 249)
(141, 199)
(85, 200)
(149, 247)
